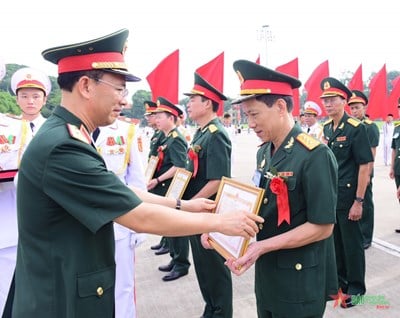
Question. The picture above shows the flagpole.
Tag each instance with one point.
(267, 36)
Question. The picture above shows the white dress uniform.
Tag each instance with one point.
(118, 145)
(15, 135)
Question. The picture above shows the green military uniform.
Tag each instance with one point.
(155, 141)
(349, 143)
(174, 151)
(299, 281)
(67, 201)
(213, 149)
(396, 148)
(367, 220)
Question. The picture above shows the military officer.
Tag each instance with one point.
(295, 272)
(171, 153)
(68, 200)
(395, 160)
(31, 88)
(348, 139)
(161, 247)
(209, 154)
(358, 104)
(118, 145)
(311, 113)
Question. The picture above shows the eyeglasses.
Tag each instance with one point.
(122, 91)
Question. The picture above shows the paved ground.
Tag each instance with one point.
(182, 298)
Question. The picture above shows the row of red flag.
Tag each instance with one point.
(164, 81)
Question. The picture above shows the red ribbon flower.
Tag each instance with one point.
(279, 187)
(160, 151)
(193, 156)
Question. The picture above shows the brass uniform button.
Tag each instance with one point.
(265, 201)
(348, 185)
(260, 226)
(298, 267)
(100, 291)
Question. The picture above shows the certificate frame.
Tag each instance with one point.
(151, 168)
(232, 197)
(179, 183)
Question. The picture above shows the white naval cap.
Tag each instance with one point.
(30, 78)
(311, 107)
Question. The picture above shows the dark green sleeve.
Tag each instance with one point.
(77, 179)
(218, 156)
(373, 135)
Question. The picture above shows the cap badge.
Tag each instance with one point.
(327, 85)
(158, 103)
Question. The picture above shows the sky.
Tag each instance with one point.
(346, 33)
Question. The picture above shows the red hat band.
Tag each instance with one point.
(91, 62)
(250, 87)
(357, 100)
(32, 84)
(332, 91)
(200, 90)
(167, 109)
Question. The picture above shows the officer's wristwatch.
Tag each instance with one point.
(360, 200)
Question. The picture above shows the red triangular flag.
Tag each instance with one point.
(356, 83)
(377, 104)
(393, 99)
(164, 79)
(313, 84)
(258, 59)
(292, 68)
(213, 73)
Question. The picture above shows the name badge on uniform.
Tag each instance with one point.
(257, 178)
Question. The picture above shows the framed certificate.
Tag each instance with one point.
(179, 183)
(232, 197)
(151, 168)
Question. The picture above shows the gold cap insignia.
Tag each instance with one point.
(327, 85)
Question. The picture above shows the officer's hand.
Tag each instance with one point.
(198, 205)
(240, 224)
(242, 264)
(355, 212)
(205, 241)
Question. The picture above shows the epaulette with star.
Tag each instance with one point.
(308, 141)
(212, 128)
(354, 122)
(79, 133)
(327, 122)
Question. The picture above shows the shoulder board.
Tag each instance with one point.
(212, 128)
(327, 122)
(307, 141)
(368, 121)
(174, 134)
(79, 133)
(397, 124)
(354, 122)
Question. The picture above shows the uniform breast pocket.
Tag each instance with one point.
(341, 147)
(96, 294)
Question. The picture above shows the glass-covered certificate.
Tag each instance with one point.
(151, 168)
(233, 197)
(179, 183)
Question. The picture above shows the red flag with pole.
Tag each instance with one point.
(292, 68)
(213, 73)
(377, 104)
(356, 83)
(313, 84)
(164, 79)
(393, 99)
